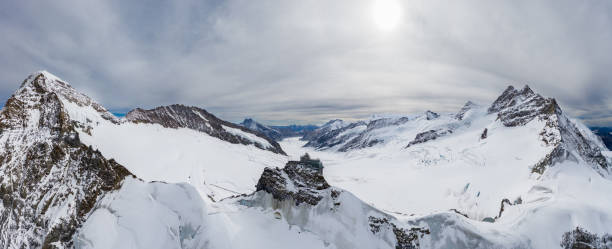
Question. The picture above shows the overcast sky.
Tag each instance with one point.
(308, 61)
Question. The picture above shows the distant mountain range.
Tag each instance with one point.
(278, 132)
(605, 133)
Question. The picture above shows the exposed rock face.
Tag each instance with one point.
(467, 107)
(519, 107)
(431, 115)
(428, 136)
(329, 136)
(484, 133)
(504, 203)
(364, 140)
(580, 238)
(406, 238)
(180, 116)
(49, 180)
(343, 137)
(510, 97)
(300, 180)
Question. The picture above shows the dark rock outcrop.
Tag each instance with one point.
(484, 133)
(428, 136)
(429, 115)
(299, 180)
(406, 238)
(180, 116)
(580, 238)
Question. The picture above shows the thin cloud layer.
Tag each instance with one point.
(309, 61)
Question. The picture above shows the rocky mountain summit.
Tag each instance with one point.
(49, 180)
(519, 107)
(180, 116)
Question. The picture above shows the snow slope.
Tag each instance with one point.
(217, 169)
(516, 175)
(477, 165)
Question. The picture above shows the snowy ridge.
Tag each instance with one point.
(180, 116)
(377, 131)
(72, 99)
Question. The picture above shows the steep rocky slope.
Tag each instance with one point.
(49, 180)
(180, 116)
(519, 107)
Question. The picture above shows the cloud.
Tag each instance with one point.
(308, 61)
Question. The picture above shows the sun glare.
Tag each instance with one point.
(386, 14)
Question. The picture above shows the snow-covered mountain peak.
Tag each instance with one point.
(511, 97)
(51, 79)
(47, 175)
(81, 107)
(334, 124)
(431, 115)
(467, 107)
(519, 107)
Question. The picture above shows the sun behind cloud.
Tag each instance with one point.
(386, 14)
